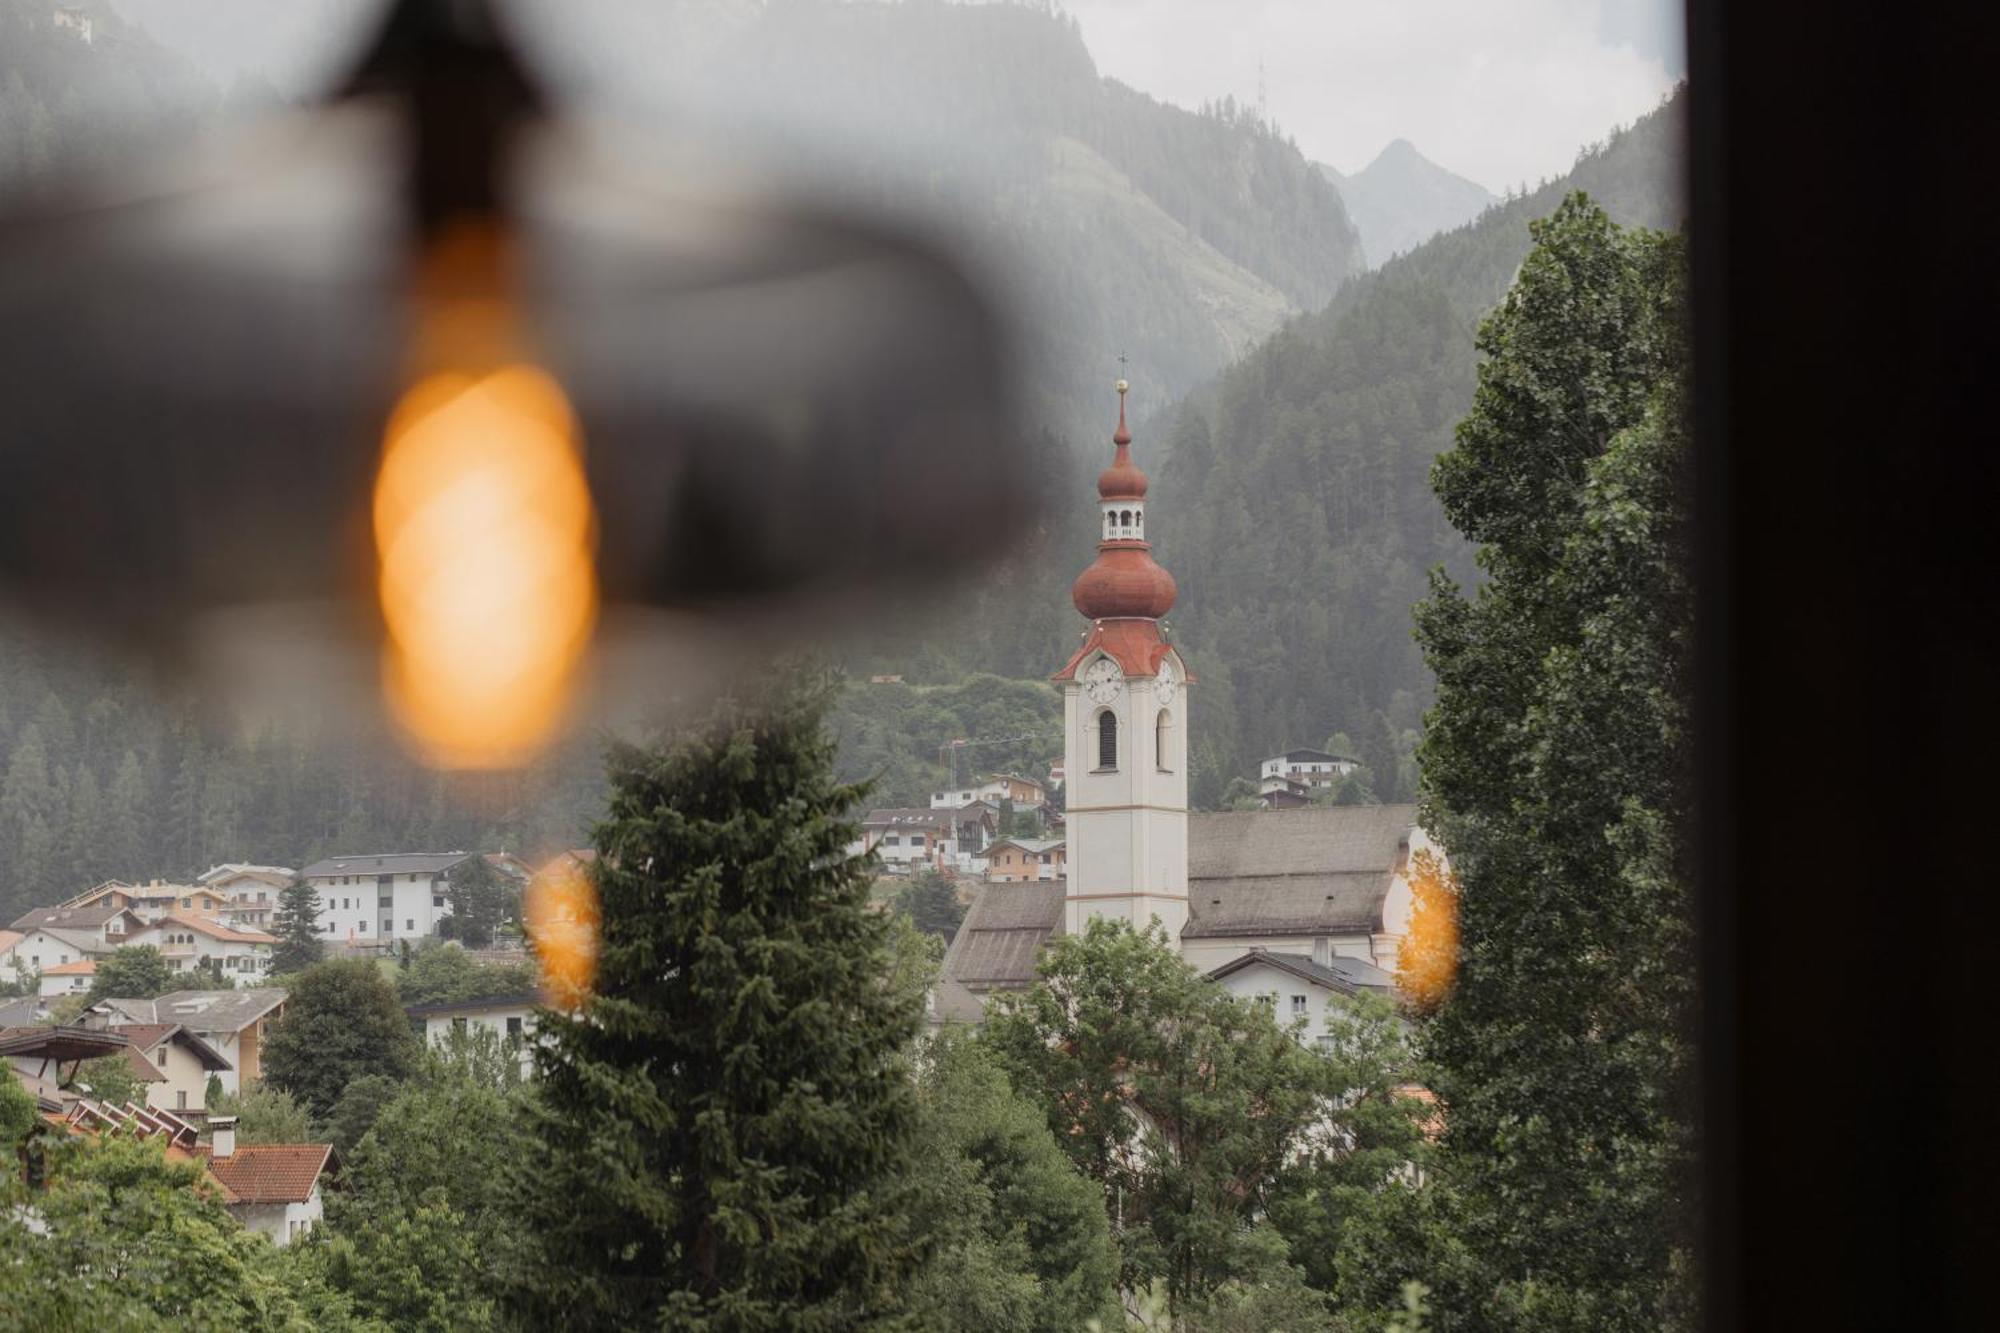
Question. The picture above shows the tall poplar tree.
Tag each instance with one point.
(726, 1120)
(1553, 770)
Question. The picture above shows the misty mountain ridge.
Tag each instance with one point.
(1294, 504)
(1402, 199)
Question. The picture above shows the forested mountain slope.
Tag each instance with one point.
(1402, 199)
(1295, 504)
(1118, 223)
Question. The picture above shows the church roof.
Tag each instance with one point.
(1318, 870)
(1323, 870)
(998, 944)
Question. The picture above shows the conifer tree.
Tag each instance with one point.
(299, 942)
(726, 1119)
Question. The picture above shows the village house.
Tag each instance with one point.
(954, 837)
(181, 1063)
(234, 1023)
(41, 948)
(188, 941)
(250, 892)
(1025, 793)
(511, 1018)
(68, 978)
(149, 901)
(1303, 987)
(1012, 859)
(376, 900)
(274, 1188)
(111, 924)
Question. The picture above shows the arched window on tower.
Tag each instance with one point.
(1138, 522)
(1107, 739)
(1161, 726)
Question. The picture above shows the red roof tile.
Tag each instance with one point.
(271, 1172)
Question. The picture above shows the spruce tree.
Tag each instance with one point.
(299, 942)
(725, 1121)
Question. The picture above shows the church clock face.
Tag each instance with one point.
(1169, 681)
(1103, 681)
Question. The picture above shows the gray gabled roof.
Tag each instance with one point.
(1318, 870)
(511, 1000)
(998, 944)
(1345, 975)
(70, 918)
(387, 863)
(83, 941)
(205, 1010)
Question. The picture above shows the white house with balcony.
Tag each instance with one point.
(188, 940)
(250, 892)
(1305, 769)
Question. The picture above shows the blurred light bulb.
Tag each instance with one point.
(562, 917)
(485, 533)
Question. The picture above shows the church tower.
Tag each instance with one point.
(1125, 729)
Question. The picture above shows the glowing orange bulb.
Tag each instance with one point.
(484, 528)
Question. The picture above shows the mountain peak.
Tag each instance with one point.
(1402, 199)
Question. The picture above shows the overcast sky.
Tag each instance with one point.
(1502, 91)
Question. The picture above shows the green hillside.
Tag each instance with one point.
(1295, 505)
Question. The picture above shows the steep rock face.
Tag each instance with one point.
(1402, 199)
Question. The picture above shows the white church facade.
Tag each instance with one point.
(1319, 888)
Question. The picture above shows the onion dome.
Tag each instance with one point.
(1122, 480)
(1124, 580)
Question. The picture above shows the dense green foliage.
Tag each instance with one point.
(1554, 770)
(443, 972)
(421, 1229)
(481, 900)
(265, 1114)
(1198, 1116)
(722, 1129)
(124, 1238)
(109, 1079)
(342, 1020)
(931, 902)
(1019, 1241)
(132, 972)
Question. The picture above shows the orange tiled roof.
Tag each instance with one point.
(215, 931)
(271, 1172)
(83, 968)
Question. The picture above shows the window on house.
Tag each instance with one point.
(364, 927)
(1298, 1006)
(410, 923)
(1160, 727)
(892, 841)
(180, 1099)
(1107, 739)
(437, 900)
(514, 1031)
(458, 1023)
(1325, 1042)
